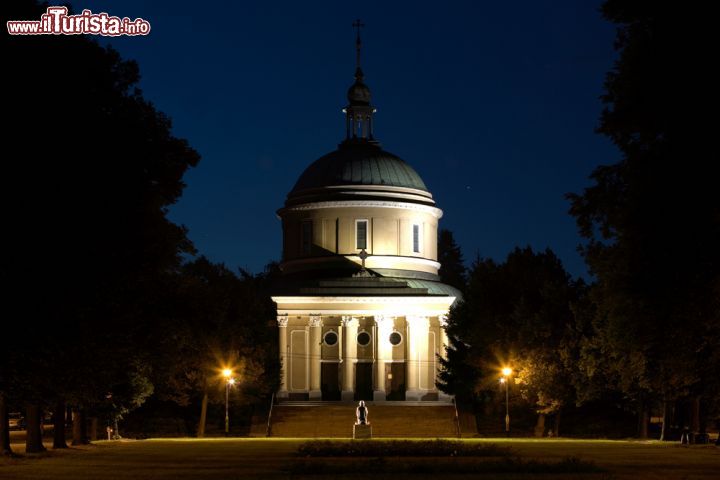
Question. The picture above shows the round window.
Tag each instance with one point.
(363, 339)
(330, 338)
(395, 338)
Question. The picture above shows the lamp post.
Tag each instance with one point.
(227, 374)
(507, 371)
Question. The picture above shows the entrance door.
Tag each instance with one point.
(395, 381)
(363, 381)
(329, 381)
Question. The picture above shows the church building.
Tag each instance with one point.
(361, 309)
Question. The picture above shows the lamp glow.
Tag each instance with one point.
(507, 371)
(227, 373)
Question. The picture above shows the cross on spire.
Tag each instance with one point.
(357, 24)
(359, 111)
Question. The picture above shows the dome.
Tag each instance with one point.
(358, 93)
(364, 163)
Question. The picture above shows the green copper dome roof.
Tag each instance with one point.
(364, 163)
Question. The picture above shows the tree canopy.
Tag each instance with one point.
(94, 167)
(652, 221)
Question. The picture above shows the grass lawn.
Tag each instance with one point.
(229, 459)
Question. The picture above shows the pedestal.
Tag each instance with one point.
(362, 432)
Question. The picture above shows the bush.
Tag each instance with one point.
(443, 466)
(400, 448)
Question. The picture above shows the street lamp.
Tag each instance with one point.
(506, 372)
(229, 381)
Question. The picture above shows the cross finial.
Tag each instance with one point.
(363, 256)
(357, 24)
(363, 271)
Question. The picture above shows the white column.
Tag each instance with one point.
(282, 321)
(417, 355)
(350, 327)
(384, 326)
(315, 324)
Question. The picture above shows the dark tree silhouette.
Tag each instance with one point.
(652, 220)
(5, 448)
(518, 312)
(220, 318)
(452, 266)
(95, 167)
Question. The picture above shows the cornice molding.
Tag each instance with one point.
(434, 211)
(410, 300)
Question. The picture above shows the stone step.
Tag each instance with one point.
(387, 420)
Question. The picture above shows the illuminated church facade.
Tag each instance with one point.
(361, 309)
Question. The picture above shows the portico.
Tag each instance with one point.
(367, 353)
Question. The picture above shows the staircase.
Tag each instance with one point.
(388, 419)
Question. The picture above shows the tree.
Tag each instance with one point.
(92, 245)
(452, 265)
(516, 313)
(652, 221)
(5, 448)
(460, 370)
(221, 319)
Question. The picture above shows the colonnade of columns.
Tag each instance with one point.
(417, 354)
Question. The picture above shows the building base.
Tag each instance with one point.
(347, 396)
(379, 396)
(415, 395)
(315, 395)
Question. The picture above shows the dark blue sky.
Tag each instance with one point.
(493, 103)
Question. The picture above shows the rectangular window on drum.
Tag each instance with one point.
(361, 234)
(306, 237)
(416, 238)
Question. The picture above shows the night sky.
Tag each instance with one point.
(493, 103)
